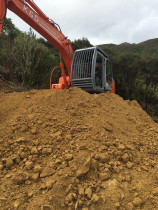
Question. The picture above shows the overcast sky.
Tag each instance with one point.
(101, 21)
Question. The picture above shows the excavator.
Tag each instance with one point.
(89, 69)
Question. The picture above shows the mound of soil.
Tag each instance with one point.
(73, 150)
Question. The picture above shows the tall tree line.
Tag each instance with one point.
(136, 78)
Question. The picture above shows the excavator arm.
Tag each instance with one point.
(28, 11)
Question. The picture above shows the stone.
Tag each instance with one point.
(117, 205)
(8, 175)
(83, 169)
(121, 178)
(69, 188)
(27, 182)
(17, 160)
(94, 164)
(21, 139)
(81, 191)
(9, 163)
(15, 157)
(68, 157)
(125, 158)
(129, 164)
(145, 168)
(116, 169)
(88, 192)
(78, 204)
(46, 151)
(35, 177)
(51, 164)
(104, 157)
(23, 155)
(24, 128)
(47, 207)
(129, 206)
(30, 194)
(29, 164)
(58, 161)
(121, 147)
(43, 186)
(68, 136)
(34, 151)
(128, 178)
(49, 184)
(34, 131)
(95, 198)
(129, 146)
(18, 179)
(1, 166)
(104, 176)
(47, 171)
(37, 169)
(71, 197)
(16, 204)
(56, 135)
(108, 127)
(50, 198)
(137, 202)
(3, 198)
(155, 191)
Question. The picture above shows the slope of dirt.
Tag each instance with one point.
(73, 150)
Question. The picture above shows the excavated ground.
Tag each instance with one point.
(73, 150)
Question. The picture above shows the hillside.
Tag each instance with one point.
(73, 150)
(146, 48)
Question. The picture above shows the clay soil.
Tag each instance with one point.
(73, 150)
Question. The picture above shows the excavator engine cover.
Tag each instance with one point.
(91, 70)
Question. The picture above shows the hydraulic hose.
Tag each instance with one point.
(56, 25)
(5, 13)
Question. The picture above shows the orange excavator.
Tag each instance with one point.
(88, 68)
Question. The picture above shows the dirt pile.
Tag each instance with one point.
(72, 150)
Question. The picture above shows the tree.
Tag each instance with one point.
(127, 74)
(9, 33)
(150, 77)
(27, 53)
(9, 28)
(80, 43)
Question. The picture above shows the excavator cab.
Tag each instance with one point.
(92, 70)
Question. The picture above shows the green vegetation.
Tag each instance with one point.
(30, 61)
(147, 48)
(135, 68)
